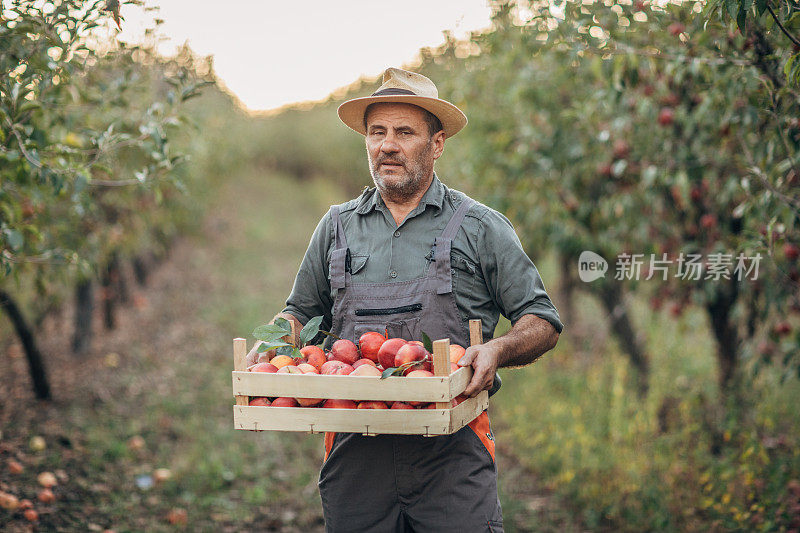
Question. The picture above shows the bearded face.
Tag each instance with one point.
(400, 150)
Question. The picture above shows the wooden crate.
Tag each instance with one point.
(441, 388)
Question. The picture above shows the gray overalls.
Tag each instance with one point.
(403, 483)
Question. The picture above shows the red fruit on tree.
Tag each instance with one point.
(791, 251)
(676, 28)
(782, 328)
(708, 221)
(666, 116)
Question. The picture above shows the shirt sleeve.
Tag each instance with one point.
(311, 293)
(511, 276)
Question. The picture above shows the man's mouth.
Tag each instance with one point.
(391, 164)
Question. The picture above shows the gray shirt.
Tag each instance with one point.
(492, 274)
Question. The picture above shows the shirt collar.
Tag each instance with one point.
(433, 196)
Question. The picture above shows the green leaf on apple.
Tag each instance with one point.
(287, 349)
(310, 330)
(271, 345)
(427, 342)
(270, 332)
(392, 371)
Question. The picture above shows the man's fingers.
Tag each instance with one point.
(477, 383)
(468, 357)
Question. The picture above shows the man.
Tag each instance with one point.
(412, 255)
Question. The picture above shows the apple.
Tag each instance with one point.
(345, 351)
(456, 353)
(676, 28)
(372, 404)
(264, 367)
(366, 370)
(336, 368)
(410, 353)
(283, 401)
(309, 402)
(289, 369)
(314, 355)
(369, 343)
(791, 251)
(388, 351)
(307, 368)
(666, 116)
(260, 401)
(364, 362)
(335, 403)
(401, 405)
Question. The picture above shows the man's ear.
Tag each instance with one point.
(438, 143)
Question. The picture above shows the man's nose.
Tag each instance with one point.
(389, 145)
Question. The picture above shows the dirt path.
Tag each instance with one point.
(163, 376)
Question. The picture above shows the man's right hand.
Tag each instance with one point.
(265, 357)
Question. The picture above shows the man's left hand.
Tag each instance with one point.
(484, 360)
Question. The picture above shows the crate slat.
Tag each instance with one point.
(433, 389)
(369, 421)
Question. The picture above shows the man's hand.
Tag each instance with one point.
(528, 339)
(484, 360)
(265, 357)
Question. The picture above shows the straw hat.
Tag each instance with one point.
(404, 87)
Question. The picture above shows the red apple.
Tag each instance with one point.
(345, 351)
(289, 369)
(259, 401)
(409, 353)
(314, 355)
(388, 351)
(456, 353)
(336, 368)
(364, 362)
(369, 343)
(307, 368)
(283, 401)
(264, 367)
(335, 403)
(309, 402)
(366, 370)
(372, 404)
(401, 405)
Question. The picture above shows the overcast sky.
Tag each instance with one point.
(274, 53)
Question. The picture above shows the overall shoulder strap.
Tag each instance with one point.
(444, 277)
(338, 265)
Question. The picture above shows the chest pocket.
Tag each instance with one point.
(465, 278)
(356, 264)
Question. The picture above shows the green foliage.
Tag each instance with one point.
(89, 136)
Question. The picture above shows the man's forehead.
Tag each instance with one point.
(394, 111)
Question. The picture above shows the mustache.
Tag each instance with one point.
(390, 160)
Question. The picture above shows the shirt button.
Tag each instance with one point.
(396, 233)
(393, 273)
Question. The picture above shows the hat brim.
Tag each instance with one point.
(452, 118)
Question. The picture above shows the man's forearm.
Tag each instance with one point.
(525, 342)
(530, 337)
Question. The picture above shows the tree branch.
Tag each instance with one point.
(784, 30)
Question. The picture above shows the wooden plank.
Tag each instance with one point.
(441, 365)
(370, 421)
(468, 410)
(475, 332)
(459, 380)
(433, 389)
(240, 363)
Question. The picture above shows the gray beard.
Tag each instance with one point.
(404, 190)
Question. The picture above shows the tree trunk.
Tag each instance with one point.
(719, 312)
(121, 284)
(566, 289)
(140, 270)
(84, 305)
(35, 362)
(611, 295)
(108, 295)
